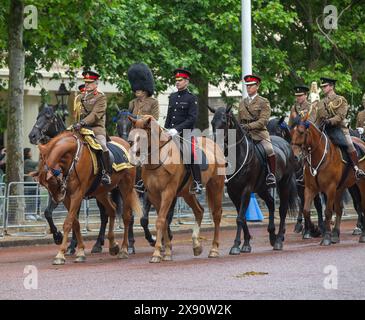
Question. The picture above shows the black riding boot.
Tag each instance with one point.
(355, 163)
(139, 186)
(107, 169)
(270, 178)
(197, 183)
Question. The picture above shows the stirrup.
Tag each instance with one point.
(270, 180)
(105, 179)
(359, 173)
(197, 187)
(139, 186)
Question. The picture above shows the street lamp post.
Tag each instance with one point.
(62, 97)
(246, 41)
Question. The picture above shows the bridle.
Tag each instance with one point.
(308, 151)
(44, 129)
(229, 123)
(57, 172)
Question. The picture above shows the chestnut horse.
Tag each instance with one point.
(66, 170)
(167, 180)
(324, 172)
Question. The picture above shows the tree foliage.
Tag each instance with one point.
(290, 43)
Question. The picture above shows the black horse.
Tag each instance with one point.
(123, 128)
(278, 127)
(250, 176)
(48, 125)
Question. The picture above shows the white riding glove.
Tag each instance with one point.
(172, 132)
(360, 130)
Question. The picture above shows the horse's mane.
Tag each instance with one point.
(52, 142)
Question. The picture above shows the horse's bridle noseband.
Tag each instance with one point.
(307, 152)
(57, 172)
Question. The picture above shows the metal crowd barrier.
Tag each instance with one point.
(23, 215)
(2, 208)
(184, 211)
(23, 211)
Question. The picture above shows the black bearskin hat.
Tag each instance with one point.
(140, 77)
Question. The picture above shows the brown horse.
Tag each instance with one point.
(168, 179)
(324, 172)
(66, 170)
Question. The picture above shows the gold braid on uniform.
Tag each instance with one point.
(77, 108)
(333, 107)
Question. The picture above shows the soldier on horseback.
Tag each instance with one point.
(360, 119)
(302, 106)
(92, 114)
(182, 114)
(332, 111)
(254, 113)
(143, 86)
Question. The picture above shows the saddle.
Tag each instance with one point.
(185, 151)
(119, 156)
(338, 138)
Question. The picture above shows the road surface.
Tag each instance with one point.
(303, 270)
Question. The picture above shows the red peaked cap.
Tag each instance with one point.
(182, 73)
(90, 76)
(251, 79)
(82, 88)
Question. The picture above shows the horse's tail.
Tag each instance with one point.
(293, 196)
(135, 203)
(346, 197)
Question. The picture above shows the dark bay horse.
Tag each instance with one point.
(170, 178)
(324, 172)
(278, 126)
(48, 125)
(66, 170)
(249, 176)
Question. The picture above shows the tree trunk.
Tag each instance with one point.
(203, 87)
(15, 135)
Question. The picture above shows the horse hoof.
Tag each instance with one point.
(123, 255)
(59, 261)
(155, 259)
(362, 239)
(131, 250)
(70, 251)
(198, 251)
(235, 251)
(307, 236)
(213, 254)
(152, 241)
(357, 231)
(298, 228)
(335, 239)
(80, 259)
(167, 258)
(278, 246)
(272, 239)
(113, 251)
(326, 242)
(97, 249)
(58, 237)
(246, 249)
